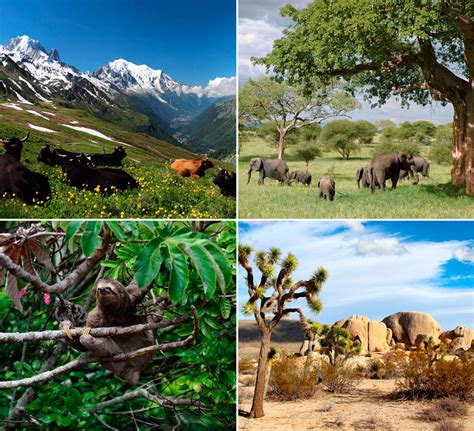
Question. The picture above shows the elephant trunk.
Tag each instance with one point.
(250, 174)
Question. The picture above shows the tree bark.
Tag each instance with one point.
(281, 144)
(462, 163)
(258, 397)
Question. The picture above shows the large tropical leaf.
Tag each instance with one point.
(179, 274)
(148, 263)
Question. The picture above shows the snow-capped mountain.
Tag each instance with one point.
(34, 75)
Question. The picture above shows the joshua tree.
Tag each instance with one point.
(338, 342)
(283, 290)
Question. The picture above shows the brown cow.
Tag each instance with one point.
(191, 167)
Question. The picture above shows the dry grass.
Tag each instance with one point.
(444, 409)
(246, 365)
(448, 425)
(289, 381)
(340, 378)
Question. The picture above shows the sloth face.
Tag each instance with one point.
(109, 292)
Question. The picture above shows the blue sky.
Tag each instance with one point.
(260, 24)
(378, 268)
(192, 41)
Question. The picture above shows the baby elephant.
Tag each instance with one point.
(327, 188)
(300, 177)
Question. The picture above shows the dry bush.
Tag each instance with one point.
(448, 425)
(341, 378)
(394, 363)
(423, 377)
(290, 381)
(376, 369)
(444, 409)
(246, 365)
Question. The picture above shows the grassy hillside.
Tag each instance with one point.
(434, 198)
(162, 193)
(213, 130)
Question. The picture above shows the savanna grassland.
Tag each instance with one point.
(161, 194)
(431, 198)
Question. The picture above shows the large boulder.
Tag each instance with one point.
(374, 336)
(407, 326)
(458, 338)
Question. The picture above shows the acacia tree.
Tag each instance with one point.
(291, 107)
(283, 290)
(421, 51)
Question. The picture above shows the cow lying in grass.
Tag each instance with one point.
(226, 180)
(191, 167)
(16, 179)
(58, 157)
(105, 180)
(113, 159)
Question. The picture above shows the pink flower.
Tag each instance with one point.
(47, 298)
(22, 293)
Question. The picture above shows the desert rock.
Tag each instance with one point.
(406, 326)
(374, 336)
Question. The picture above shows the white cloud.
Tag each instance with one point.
(464, 254)
(217, 87)
(371, 284)
(220, 87)
(380, 246)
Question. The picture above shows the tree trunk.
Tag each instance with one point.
(258, 397)
(462, 163)
(281, 144)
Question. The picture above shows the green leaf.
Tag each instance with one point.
(179, 274)
(47, 419)
(226, 308)
(72, 228)
(117, 229)
(148, 263)
(204, 265)
(91, 240)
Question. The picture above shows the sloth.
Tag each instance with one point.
(116, 306)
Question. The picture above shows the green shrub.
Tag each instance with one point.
(440, 153)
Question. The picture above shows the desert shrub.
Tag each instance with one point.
(424, 377)
(289, 381)
(394, 363)
(445, 408)
(453, 378)
(340, 378)
(440, 152)
(246, 365)
(448, 425)
(376, 369)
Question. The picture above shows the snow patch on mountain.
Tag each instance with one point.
(41, 129)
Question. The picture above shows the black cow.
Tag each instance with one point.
(113, 159)
(226, 180)
(58, 157)
(16, 178)
(105, 180)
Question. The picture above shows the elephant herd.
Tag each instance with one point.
(383, 167)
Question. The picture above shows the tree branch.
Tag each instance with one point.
(88, 358)
(150, 396)
(17, 337)
(69, 281)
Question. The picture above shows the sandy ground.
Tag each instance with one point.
(366, 408)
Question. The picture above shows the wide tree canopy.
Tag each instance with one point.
(419, 50)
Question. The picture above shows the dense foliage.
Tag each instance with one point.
(192, 267)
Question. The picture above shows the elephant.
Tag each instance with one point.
(327, 188)
(271, 168)
(300, 177)
(388, 166)
(421, 165)
(362, 175)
